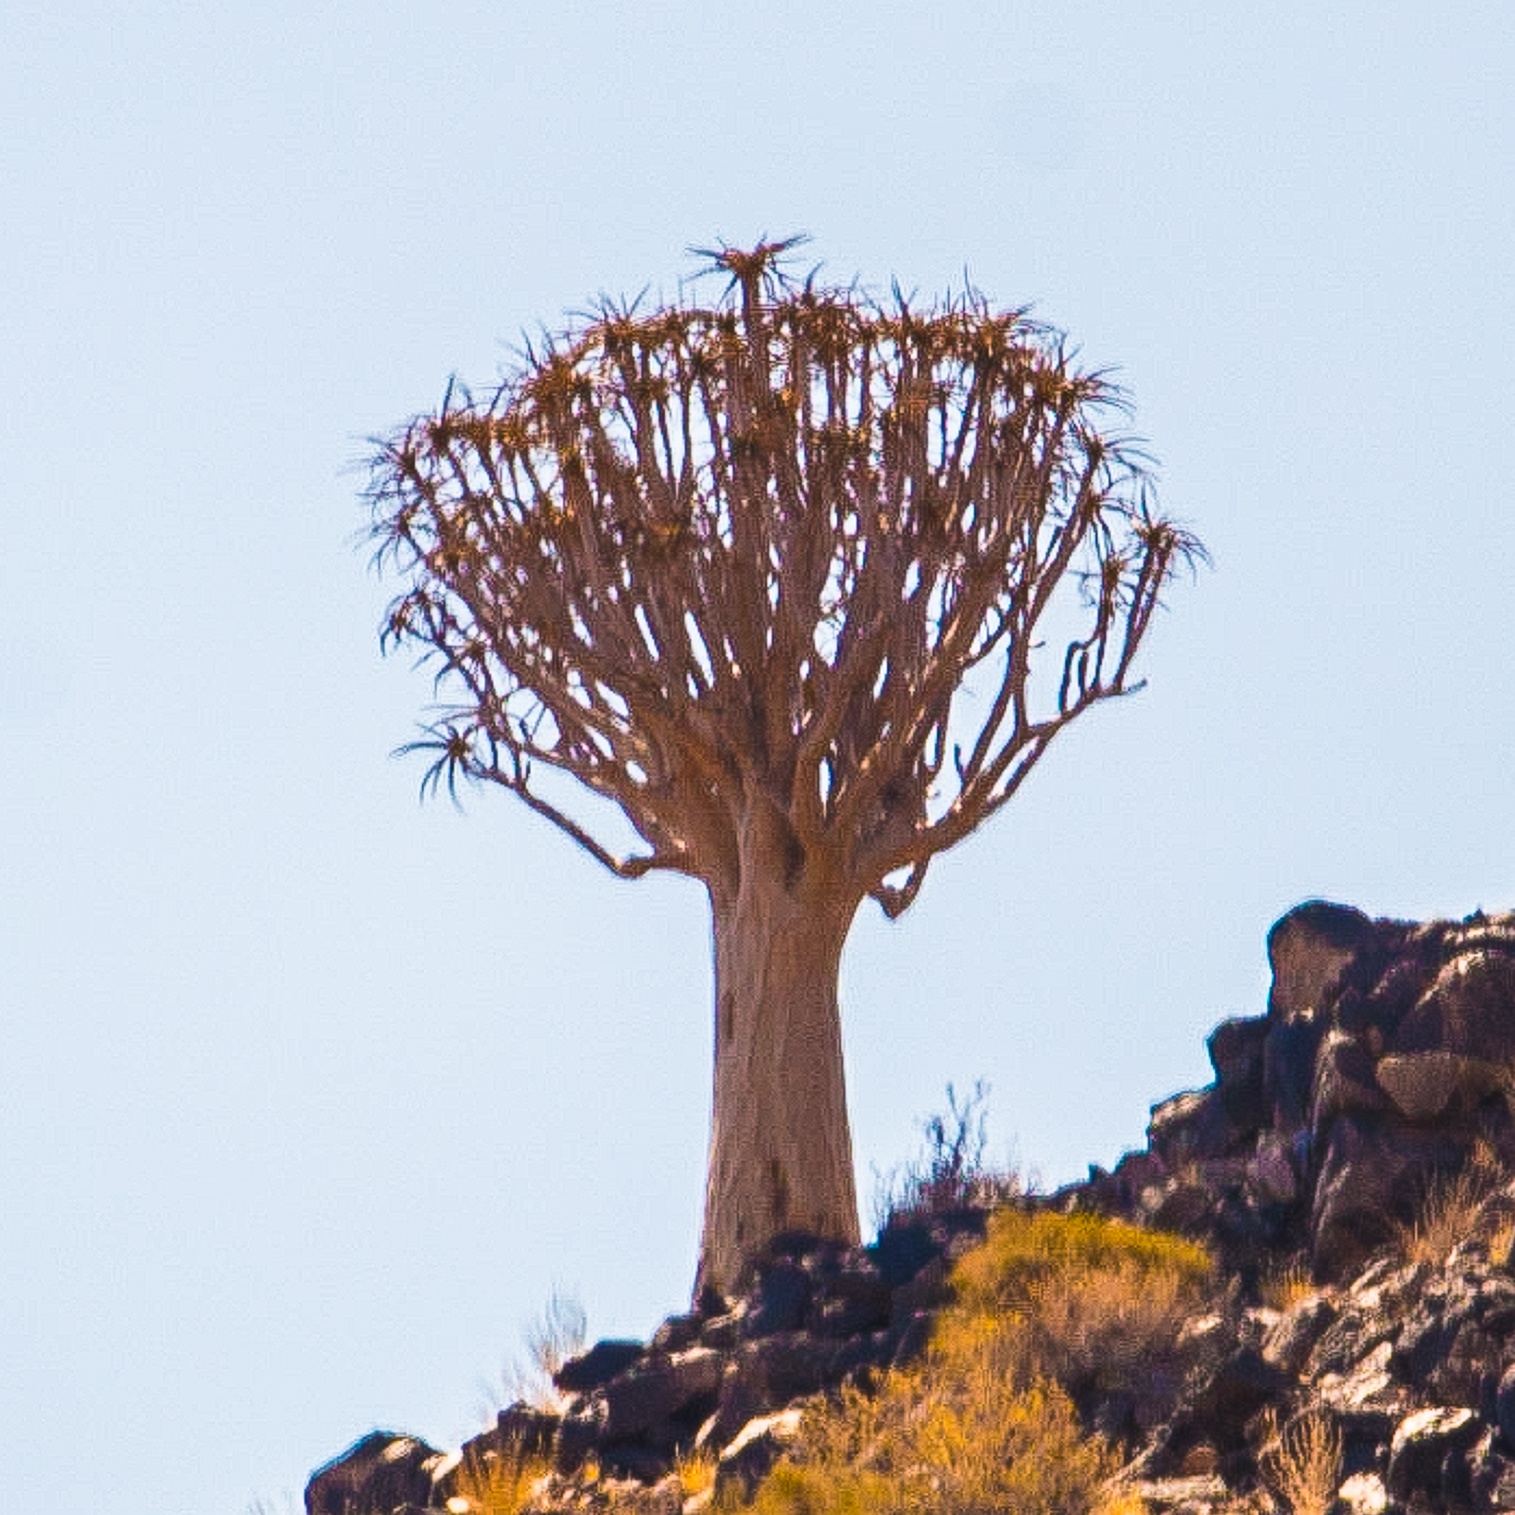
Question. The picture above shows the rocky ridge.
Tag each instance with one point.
(1373, 1093)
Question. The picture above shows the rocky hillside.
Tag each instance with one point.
(1300, 1295)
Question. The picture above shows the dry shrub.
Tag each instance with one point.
(1122, 1502)
(1285, 1287)
(1449, 1213)
(950, 1173)
(498, 1483)
(983, 1443)
(993, 1446)
(986, 1425)
(1095, 1304)
(696, 1470)
(1303, 1465)
(555, 1337)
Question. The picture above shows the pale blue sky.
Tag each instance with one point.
(312, 1093)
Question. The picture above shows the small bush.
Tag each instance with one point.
(499, 1483)
(1023, 1251)
(987, 1423)
(1449, 1213)
(1286, 1287)
(982, 1442)
(1303, 1465)
(555, 1337)
(950, 1174)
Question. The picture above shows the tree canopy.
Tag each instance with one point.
(861, 559)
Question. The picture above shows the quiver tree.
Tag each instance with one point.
(729, 567)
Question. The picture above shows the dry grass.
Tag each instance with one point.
(497, 1484)
(696, 1470)
(1303, 1465)
(1122, 1503)
(1286, 1287)
(950, 1173)
(1449, 1213)
(555, 1337)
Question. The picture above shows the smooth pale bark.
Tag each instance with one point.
(780, 1143)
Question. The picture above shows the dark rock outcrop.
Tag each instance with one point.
(1381, 1069)
(384, 1471)
(1382, 1063)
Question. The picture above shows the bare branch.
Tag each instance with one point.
(706, 557)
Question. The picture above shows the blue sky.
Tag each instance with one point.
(312, 1093)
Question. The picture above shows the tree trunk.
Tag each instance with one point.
(780, 1144)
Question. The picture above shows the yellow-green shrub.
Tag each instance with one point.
(929, 1446)
(1023, 1251)
(1048, 1304)
(1094, 1304)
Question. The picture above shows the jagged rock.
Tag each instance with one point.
(1188, 1127)
(1179, 1496)
(579, 1433)
(374, 1476)
(1292, 1338)
(1346, 1082)
(1468, 1010)
(1215, 1411)
(602, 1362)
(1185, 1205)
(1308, 949)
(1371, 1172)
(1493, 1474)
(754, 1450)
(1425, 1085)
(1272, 1175)
(722, 1332)
(520, 1427)
(654, 1391)
(853, 1300)
(1236, 1053)
(678, 1332)
(782, 1300)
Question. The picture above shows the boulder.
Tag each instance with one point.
(1363, 1494)
(1468, 1009)
(1289, 1342)
(602, 1362)
(374, 1476)
(1308, 950)
(1427, 1458)
(1236, 1053)
(1188, 1127)
(1426, 1085)
(655, 1391)
(678, 1332)
(748, 1458)
(782, 1300)
(1273, 1176)
(1346, 1082)
(1371, 1174)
